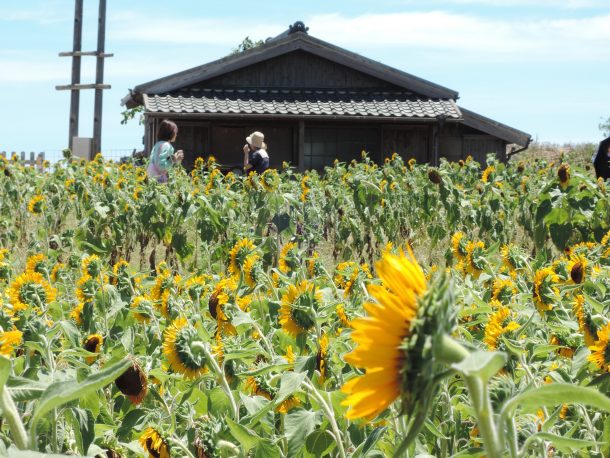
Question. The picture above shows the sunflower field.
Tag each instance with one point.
(391, 309)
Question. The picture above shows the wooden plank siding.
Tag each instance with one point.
(298, 69)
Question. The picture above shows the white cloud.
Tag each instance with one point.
(564, 4)
(561, 40)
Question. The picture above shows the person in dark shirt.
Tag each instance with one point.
(255, 154)
(602, 158)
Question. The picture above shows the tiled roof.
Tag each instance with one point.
(400, 104)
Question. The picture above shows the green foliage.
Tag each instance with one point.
(246, 44)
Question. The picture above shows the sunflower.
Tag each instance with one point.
(600, 354)
(3, 253)
(343, 272)
(503, 290)
(458, 246)
(290, 356)
(497, 325)
(322, 357)
(142, 306)
(258, 386)
(577, 266)
(313, 265)
(182, 347)
(381, 334)
(305, 190)
(93, 344)
(343, 319)
(297, 308)
(251, 269)
(238, 255)
(36, 204)
(486, 173)
(565, 350)
(154, 444)
(77, 313)
(196, 286)
(544, 289)
(475, 258)
(30, 289)
(35, 263)
(585, 323)
(119, 269)
(133, 383)
(57, 268)
(270, 180)
(9, 340)
(86, 288)
(411, 163)
(288, 258)
(92, 266)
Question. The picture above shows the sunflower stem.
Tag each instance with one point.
(329, 414)
(481, 402)
(9, 412)
(449, 351)
(223, 380)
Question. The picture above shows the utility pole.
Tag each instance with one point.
(75, 87)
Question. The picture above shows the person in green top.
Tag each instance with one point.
(162, 156)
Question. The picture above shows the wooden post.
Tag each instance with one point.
(99, 79)
(301, 149)
(76, 65)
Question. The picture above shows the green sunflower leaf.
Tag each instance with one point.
(561, 443)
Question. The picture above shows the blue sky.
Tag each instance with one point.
(542, 66)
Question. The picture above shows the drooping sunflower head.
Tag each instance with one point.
(586, 325)
(142, 307)
(563, 173)
(434, 176)
(36, 204)
(252, 270)
(288, 258)
(153, 443)
(545, 290)
(197, 286)
(298, 308)
(9, 340)
(93, 344)
(133, 383)
(487, 174)
(183, 348)
(343, 319)
(30, 290)
(600, 352)
(322, 357)
(238, 255)
(119, 270)
(458, 246)
(36, 263)
(314, 265)
(270, 180)
(512, 258)
(92, 266)
(499, 323)
(475, 258)
(380, 337)
(503, 290)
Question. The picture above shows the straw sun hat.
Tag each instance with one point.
(256, 139)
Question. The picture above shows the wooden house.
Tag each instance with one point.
(315, 102)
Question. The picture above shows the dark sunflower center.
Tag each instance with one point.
(130, 382)
(91, 344)
(151, 449)
(577, 273)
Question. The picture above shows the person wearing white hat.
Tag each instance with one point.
(256, 157)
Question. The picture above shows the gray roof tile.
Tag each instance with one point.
(301, 102)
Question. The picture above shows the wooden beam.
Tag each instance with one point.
(84, 53)
(99, 79)
(78, 87)
(75, 95)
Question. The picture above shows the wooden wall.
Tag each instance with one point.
(295, 70)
